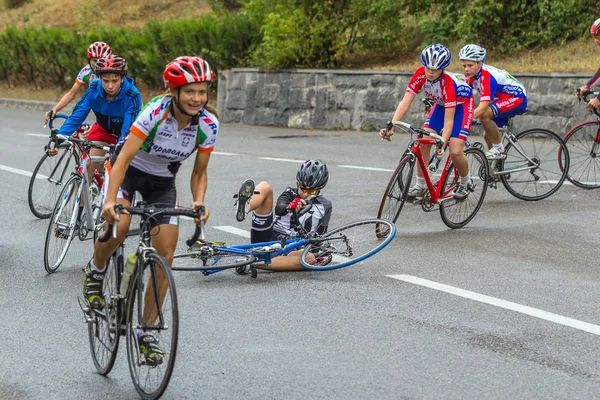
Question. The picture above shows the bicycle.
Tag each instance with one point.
(50, 174)
(67, 219)
(139, 307)
(455, 213)
(534, 163)
(337, 248)
(583, 142)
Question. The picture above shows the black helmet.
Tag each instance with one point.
(313, 174)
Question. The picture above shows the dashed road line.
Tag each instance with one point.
(366, 168)
(281, 159)
(508, 305)
(234, 230)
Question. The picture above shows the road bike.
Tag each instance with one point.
(534, 163)
(334, 249)
(50, 175)
(455, 213)
(583, 142)
(71, 218)
(147, 303)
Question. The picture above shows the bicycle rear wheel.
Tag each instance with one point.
(48, 179)
(458, 213)
(104, 324)
(583, 143)
(347, 245)
(396, 190)
(537, 163)
(61, 228)
(205, 261)
(147, 314)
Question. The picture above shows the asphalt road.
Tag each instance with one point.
(355, 333)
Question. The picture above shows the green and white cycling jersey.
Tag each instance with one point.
(86, 75)
(165, 147)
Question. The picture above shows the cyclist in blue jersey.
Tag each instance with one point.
(115, 101)
(501, 96)
(95, 51)
(169, 129)
(311, 178)
(595, 102)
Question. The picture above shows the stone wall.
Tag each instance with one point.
(339, 99)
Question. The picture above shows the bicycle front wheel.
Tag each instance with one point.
(61, 228)
(536, 164)
(152, 310)
(583, 143)
(48, 179)
(458, 213)
(396, 190)
(215, 260)
(347, 245)
(104, 324)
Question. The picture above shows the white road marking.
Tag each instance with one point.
(38, 135)
(366, 168)
(281, 159)
(18, 171)
(533, 312)
(222, 153)
(234, 230)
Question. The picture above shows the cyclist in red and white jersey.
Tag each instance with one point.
(595, 102)
(501, 96)
(168, 130)
(95, 51)
(452, 112)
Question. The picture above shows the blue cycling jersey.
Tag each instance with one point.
(114, 116)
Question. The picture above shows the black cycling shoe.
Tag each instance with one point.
(149, 347)
(92, 287)
(246, 191)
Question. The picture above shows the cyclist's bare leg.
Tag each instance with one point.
(261, 201)
(103, 251)
(287, 263)
(457, 147)
(491, 133)
(164, 240)
(96, 166)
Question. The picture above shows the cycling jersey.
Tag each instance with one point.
(86, 75)
(493, 83)
(114, 116)
(165, 147)
(316, 219)
(447, 90)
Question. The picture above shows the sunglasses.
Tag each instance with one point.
(309, 191)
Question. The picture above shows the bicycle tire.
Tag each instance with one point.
(60, 225)
(346, 245)
(583, 143)
(104, 328)
(151, 381)
(219, 260)
(541, 146)
(47, 180)
(395, 193)
(457, 213)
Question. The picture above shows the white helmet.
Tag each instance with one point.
(472, 52)
(435, 56)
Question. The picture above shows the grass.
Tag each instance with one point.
(80, 14)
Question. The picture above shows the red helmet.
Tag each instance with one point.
(184, 70)
(98, 50)
(595, 29)
(111, 65)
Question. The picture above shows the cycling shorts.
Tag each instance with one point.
(507, 107)
(157, 190)
(98, 134)
(262, 228)
(463, 118)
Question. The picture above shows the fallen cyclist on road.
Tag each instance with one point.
(311, 178)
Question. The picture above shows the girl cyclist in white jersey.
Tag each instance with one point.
(167, 131)
(95, 51)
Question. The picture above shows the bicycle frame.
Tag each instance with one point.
(436, 191)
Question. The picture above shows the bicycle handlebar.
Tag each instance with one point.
(419, 131)
(584, 96)
(54, 135)
(148, 211)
